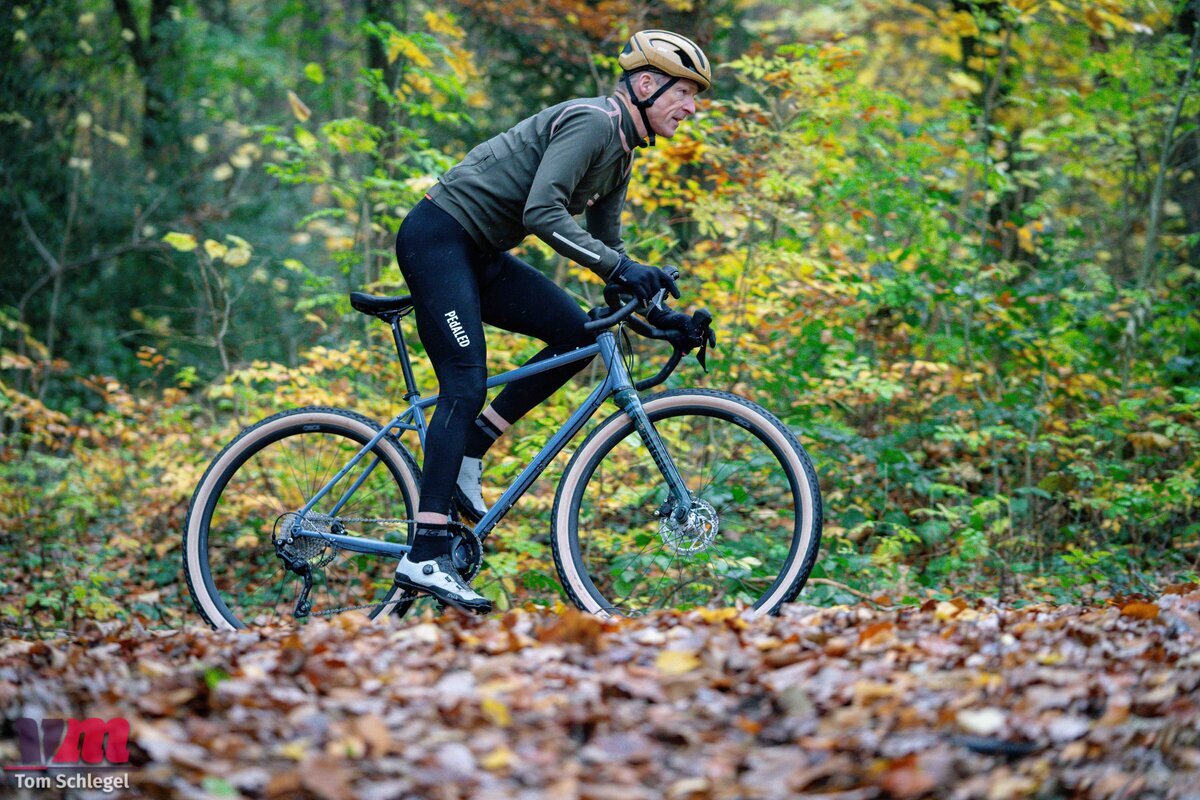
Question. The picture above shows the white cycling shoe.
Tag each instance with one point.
(438, 578)
(468, 492)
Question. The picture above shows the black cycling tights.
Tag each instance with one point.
(458, 286)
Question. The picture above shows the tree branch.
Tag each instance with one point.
(844, 588)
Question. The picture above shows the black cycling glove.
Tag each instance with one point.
(640, 280)
(694, 331)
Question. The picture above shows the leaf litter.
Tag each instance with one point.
(946, 700)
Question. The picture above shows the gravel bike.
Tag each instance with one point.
(684, 498)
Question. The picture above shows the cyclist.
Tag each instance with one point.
(571, 158)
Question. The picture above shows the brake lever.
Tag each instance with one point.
(703, 318)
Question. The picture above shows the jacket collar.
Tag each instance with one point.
(630, 138)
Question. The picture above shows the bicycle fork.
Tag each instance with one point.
(679, 503)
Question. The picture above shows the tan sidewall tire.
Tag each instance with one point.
(811, 512)
(248, 439)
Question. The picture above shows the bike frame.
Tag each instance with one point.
(616, 384)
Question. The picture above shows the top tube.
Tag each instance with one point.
(524, 371)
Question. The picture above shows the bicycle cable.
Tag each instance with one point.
(630, 355)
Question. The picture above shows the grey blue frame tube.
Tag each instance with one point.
(605, 346)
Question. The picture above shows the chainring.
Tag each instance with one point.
(466, 552)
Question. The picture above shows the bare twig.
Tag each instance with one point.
(849, 590)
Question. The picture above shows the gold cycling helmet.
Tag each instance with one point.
(669, 53)
(677, 57)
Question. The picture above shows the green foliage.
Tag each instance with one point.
(931, 246)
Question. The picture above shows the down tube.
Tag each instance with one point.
(544, 457)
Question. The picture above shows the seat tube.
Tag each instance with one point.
(410, 383)
(626, 398)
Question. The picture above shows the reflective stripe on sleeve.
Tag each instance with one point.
(588, 253)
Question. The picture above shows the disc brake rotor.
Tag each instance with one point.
(695, 534)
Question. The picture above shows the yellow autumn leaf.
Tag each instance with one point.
(298, 108)
(419, 83)
(124, 543)
(183, 242)
(964, 81)
(1025, 238)
(296, 751)
(400, 46)
(946, 611)
(440, 23)
(305, 139)
(498, 759)
(1150, 439)
(717, 614)
(117, 138)
(676, 662)
(215, 249)
(495, 711)
(238, 257)
(961, 24)
(245, 155)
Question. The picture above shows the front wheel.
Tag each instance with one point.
(751, 537)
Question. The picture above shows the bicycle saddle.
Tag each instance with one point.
(378, 304)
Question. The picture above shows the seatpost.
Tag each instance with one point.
(405, 365)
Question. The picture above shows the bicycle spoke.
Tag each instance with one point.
(733, 545)
(277, 477)
(666, 572)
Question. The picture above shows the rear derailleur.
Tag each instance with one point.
(303, 554)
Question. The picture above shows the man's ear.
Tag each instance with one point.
(646, 84)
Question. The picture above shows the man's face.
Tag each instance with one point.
(676, 104)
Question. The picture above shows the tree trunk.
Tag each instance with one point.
(1185, 189)
(379, 11)
(152, 55)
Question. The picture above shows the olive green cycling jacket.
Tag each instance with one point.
(571, 158)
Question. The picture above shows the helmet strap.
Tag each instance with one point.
(642, 105)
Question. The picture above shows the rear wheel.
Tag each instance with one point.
(751, 538)
(249, 497)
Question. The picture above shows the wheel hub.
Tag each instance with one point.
(311, 550)
(695, 534)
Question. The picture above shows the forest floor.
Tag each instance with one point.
(946, 700)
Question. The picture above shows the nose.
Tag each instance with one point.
(689, 106)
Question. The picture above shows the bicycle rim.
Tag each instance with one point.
(751, 540)
(256, 496)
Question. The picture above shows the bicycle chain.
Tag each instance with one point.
(344, 609)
